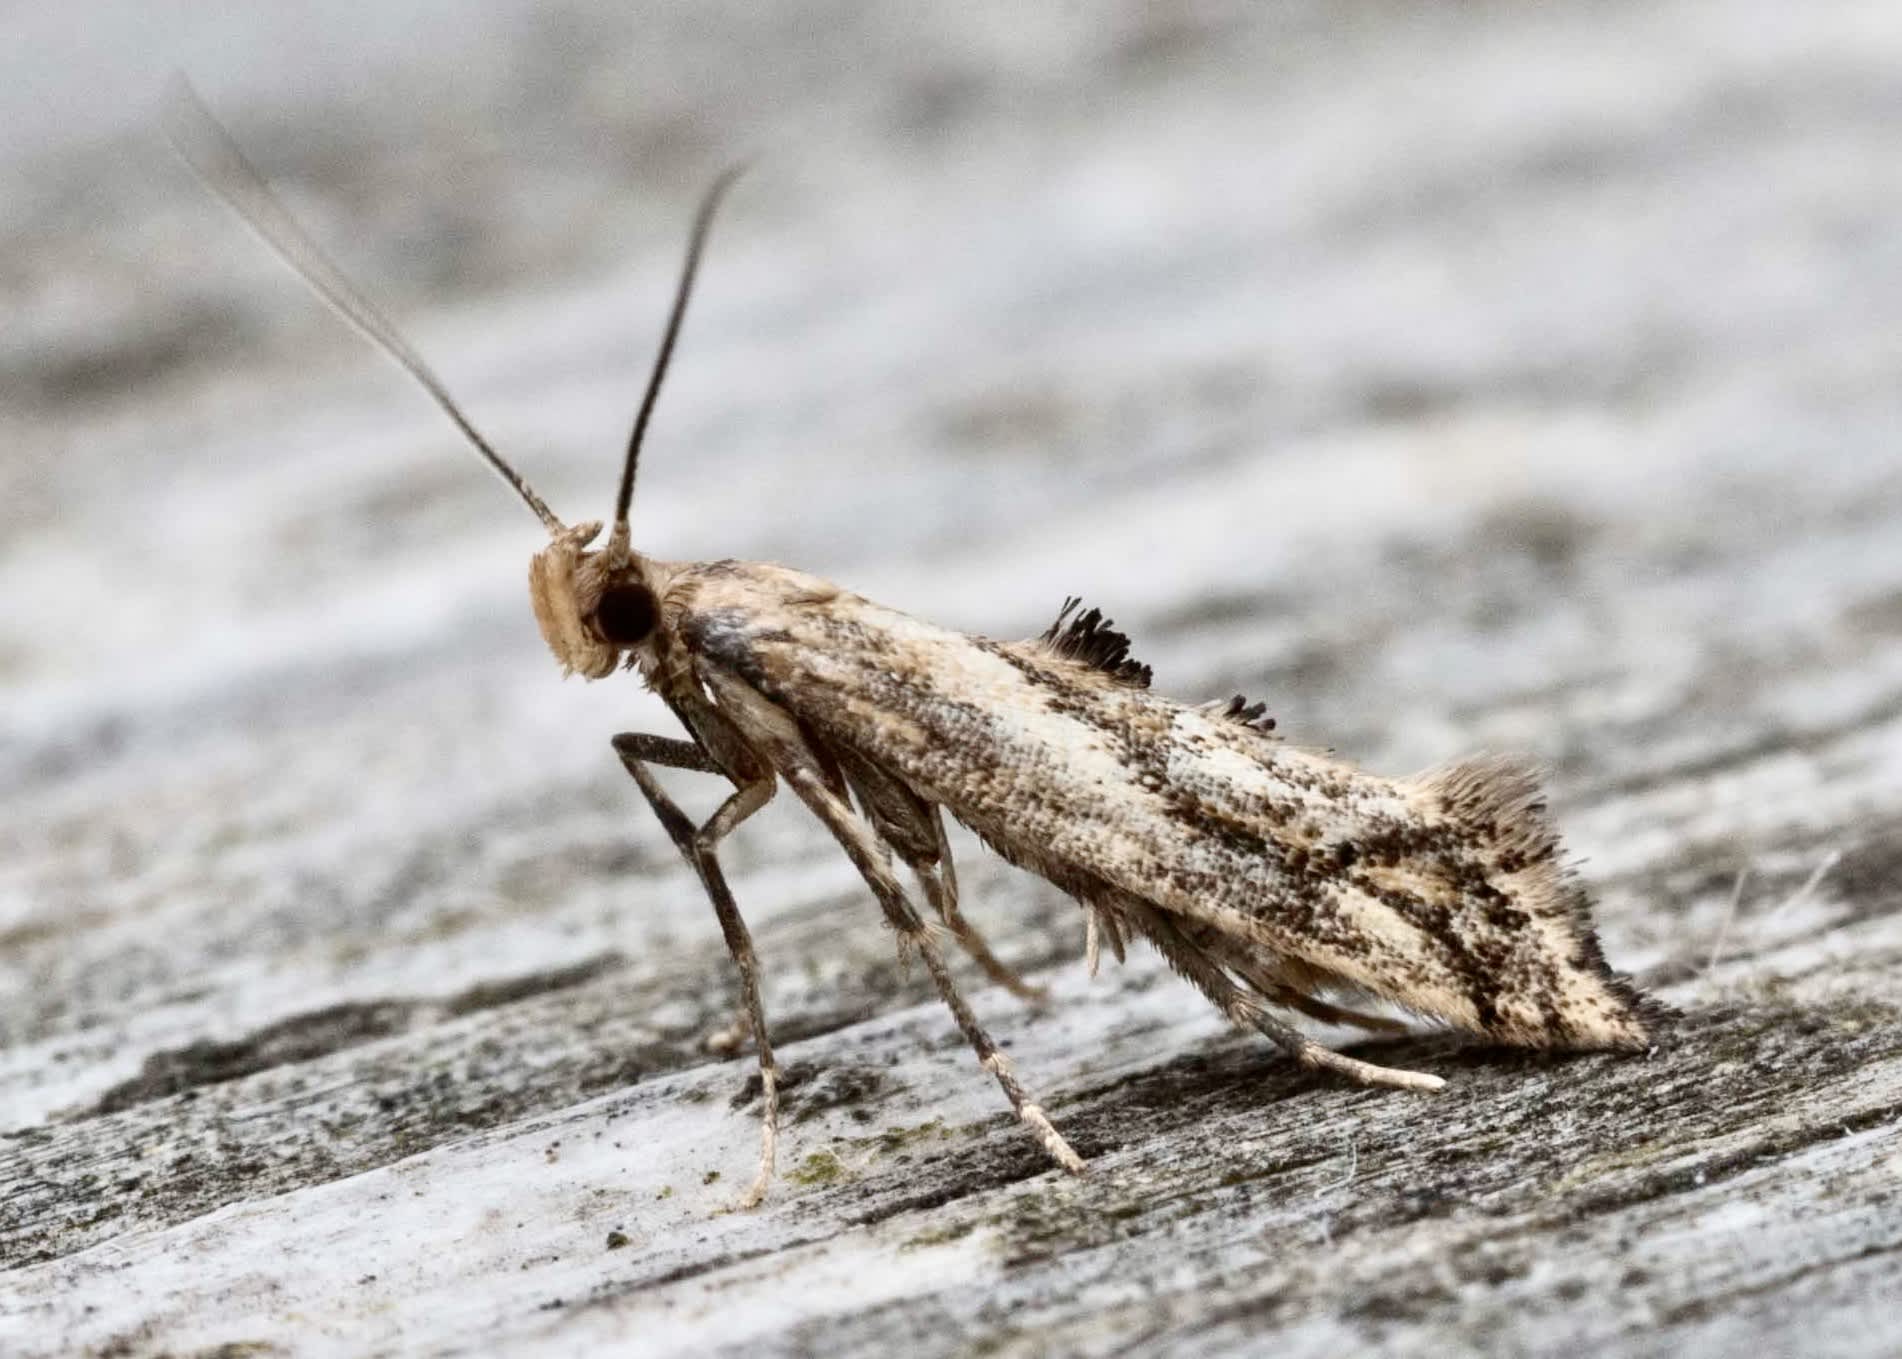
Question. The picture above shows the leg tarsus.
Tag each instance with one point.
(768, 1139)
(1031, 1114)
(1312, 1055)
(729, 1038)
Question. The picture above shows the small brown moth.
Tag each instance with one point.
(1272, 877)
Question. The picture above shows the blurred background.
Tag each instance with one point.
(992, 262)
(1451, 377)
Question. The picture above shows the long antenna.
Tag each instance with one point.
(696, 243)
(204, 144)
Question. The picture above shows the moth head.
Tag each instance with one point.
(592, 613)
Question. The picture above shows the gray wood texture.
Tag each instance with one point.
(1455, 378)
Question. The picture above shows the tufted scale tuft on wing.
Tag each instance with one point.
(1239, 709)
(1092, 639)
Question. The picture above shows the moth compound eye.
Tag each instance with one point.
(626, 614)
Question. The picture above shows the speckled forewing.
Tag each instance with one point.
(1443, 894)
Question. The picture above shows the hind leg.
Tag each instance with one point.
(1245, 1011)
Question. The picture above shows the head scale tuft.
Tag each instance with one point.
(566, 584)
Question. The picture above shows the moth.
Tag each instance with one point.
(1276, 879)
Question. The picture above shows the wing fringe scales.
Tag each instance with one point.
(1501, 802)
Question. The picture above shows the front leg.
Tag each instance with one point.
(699, 847)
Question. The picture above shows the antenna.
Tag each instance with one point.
(617, 548)
(214, 155)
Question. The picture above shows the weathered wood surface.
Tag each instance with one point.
(1494, 376)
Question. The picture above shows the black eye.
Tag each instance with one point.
(625, 614)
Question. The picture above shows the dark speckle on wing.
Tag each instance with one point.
(731, 637)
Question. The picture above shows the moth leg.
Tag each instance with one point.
(1311, 1054)
(671, 753)
(1245, 1012)
(914, 830)
(943, 899)
(698, 846)
(1100, 923)
(1331, 1014)
(941, 889)
(863, 847)
(1278, 986)
(664, 751)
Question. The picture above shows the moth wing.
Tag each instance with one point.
(1444, 894)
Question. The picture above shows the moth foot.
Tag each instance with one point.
(1325, 1059)
(768, 1145)
(755, 1195)
(1059, 1150)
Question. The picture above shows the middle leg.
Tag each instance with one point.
(865, 851)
